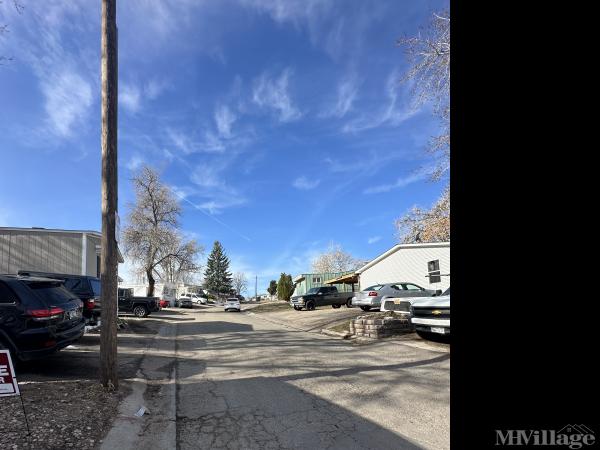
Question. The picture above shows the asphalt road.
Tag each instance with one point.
(244, 382)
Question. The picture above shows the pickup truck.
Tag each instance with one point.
(431, 315)
(139, 306)
(322, 296)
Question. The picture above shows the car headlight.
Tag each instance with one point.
(300, 299)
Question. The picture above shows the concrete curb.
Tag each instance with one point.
(157, 429)
(332, 333)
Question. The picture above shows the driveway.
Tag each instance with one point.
(321, 317)
(244, 381)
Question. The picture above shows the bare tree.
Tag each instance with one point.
(182, 265)
(4, 28)
(239, 282)
(421, 225)
(428, 54)
(429, 57)
(151, 237)
(334, 260)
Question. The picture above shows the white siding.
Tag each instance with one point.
(409, 264)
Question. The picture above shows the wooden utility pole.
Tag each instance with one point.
(109, 257)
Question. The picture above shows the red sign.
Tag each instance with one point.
(8, 379)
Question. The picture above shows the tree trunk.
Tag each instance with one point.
(109, 259)
(151, 282)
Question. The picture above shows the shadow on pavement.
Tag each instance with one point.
(257, 413)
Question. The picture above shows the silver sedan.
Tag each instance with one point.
(372, 296)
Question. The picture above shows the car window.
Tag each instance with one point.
(53, 294)
(446, 292)
(96, 287)
(6, 294)
(411, 287)
(74, 284)
(395, 287)
(375, 287)
(312, 290)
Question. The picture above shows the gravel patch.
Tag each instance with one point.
(60, 414)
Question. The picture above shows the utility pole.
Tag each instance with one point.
(108, 138)
(256, 287)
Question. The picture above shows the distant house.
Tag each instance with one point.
(426, 264)
(50, 250)
(306, 281)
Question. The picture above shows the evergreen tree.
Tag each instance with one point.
(272, 289)
(217, 277)
(285, 287)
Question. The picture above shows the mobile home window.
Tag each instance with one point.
(433, 269)
(316, 279)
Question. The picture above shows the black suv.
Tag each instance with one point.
(38, 316)
(85, 287)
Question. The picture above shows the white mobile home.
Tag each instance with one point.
(75, 252)
(427, 265)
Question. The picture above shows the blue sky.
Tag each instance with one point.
(281, 124)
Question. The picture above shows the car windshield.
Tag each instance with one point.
(446, 292)
(374, 288)
(95, 287)
(313, 291)
(53, 294)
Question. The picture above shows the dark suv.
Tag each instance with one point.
(38, 316)
(85, 287)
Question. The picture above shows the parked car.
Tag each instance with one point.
(432, 315)
(322, 296)
(85, 287)
(38, 316)
(139, 306)
(372, 296)
(195, 298)
(164, 303)
(232, 303)
(185, 302)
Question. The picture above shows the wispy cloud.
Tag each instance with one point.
(224, 118)
(129, 97)
(418, 175)
(154, 87)
(373, 239)
(399, 108)
(346, 94)
(272, 93)
(305, 184)
(68, 98)
(135, 162)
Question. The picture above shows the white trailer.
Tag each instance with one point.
(427, 265)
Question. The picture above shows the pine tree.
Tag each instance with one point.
(272, 289)
(217, 277)
(285, 287)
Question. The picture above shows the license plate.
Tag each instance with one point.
(397, 301)
(439, 330)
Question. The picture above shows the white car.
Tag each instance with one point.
(431, 315)
(232, 304)
(195, 298)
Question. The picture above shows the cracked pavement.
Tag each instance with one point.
(248, 383)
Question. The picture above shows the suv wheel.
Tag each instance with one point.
(365, 308)
(140, 311)
(336, 306)
(310, 306)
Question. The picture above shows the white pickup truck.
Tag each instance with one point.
(432, 314)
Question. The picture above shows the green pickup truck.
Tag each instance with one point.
(322, 296)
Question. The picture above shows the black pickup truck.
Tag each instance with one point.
(322, 296)
(139, 306)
